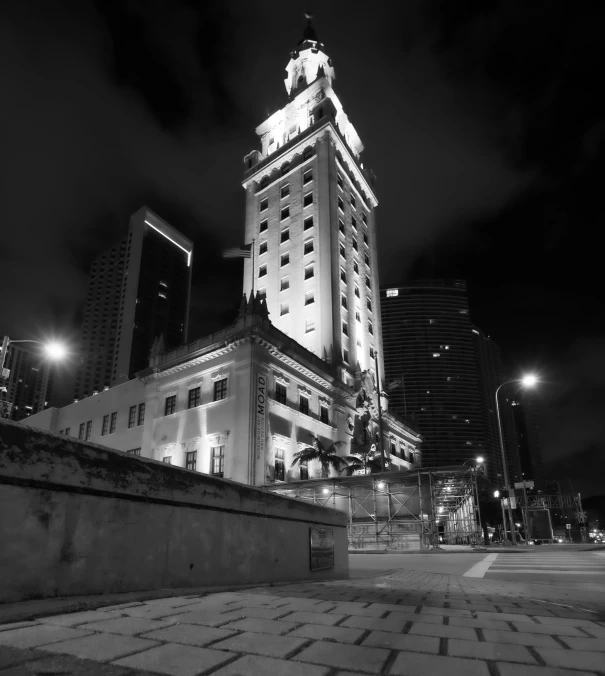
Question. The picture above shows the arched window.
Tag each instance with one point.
(264, 182)
(285, 168)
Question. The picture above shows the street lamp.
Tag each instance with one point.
(528, 380)
(54, 350)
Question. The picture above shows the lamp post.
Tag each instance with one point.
(526, 381)
(53, 350)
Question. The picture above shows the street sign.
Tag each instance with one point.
(513, 502)
(524, 484)
(568, 526)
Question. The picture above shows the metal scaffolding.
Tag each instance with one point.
(399, 510)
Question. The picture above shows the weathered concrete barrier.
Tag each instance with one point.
(78, 518)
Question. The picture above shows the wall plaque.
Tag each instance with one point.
(322, 548)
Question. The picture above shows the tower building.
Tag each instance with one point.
(310, 211)
(138, 290)
(29, 384)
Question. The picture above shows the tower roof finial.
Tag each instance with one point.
(309, 32)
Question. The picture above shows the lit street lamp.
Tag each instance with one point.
(528, 380)
(54, 351)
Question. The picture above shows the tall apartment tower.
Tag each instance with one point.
(138, 290)
(310, 211)
(29, 385)
(527, 428)
(429, 349)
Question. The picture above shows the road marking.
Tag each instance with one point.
(539, 571)
(479, 569)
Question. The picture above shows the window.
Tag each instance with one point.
(132, 416)
(341, 205)
(339, 181)
(353, 201)
(264, 204)
(357, 291)
(365, 239)
(364, 218)
(264, 226)
(343, 301)
(309, 326)
(141, 419)
(370, 328)
(368, 282)
(393, 448)
(309, 272)
(220, 389)
(308, 247)
(371, 352)
(167, 460)
(285, 213)
(284, 309)
(285, 259)
(262, 249)
(323, 414)
(355, 267)
(345, 328)
(105, 427)
(391, 293)
(342, 251)
(88, 430)
(134, 451)
(285, 168)
(308, 223)
(343, 275)
(304, 470)
(307, 176)
(341, 226)
(81, 431)
(262, 271)
(285, 235)
(284, 284)
(355, 246)
(279, 464)
(308, 199)
(309, 297)
(345, 356)
(218, 461)
(281, 393)
(194, 397)
(170, 405)
(303, 404)
(191, 460)
(354, 223)
(357, 315)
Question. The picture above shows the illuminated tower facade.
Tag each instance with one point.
(310, 210)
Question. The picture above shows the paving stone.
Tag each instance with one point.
(520, 638)
(153, 612)
(128, 626)
(594, 629)
(101, 647)
(269, 645)
(526, 670)
(260, 599)
(414, 617)
(260, 612)
(549, 629)
(275, 627)
(445, 632)
(392, 607)
(67, 665)
(255, 665)
(339, 655)
(387, 639)
(585, 643)
(479, 624)
(572, 659)
(73, 619)
(449, 612)
(504, 617)
(39, 635)
(17, 625)
(208, 617)
(314, 618)
(375, 623)
(565, 621)
(120, 606)
(300, 603)
(12, 656)
(176, 660)
(190, 634)
(173, 601)
(486, 650)
(421, 664)
(321, 632)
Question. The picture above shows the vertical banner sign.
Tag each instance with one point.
(261, 407)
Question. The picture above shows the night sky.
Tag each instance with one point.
(483, 121)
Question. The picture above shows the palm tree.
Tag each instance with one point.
(363, 457)
(327, 456)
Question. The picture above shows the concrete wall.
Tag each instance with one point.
(77, 518)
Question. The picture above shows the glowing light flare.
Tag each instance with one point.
(480, 460)
(55, 350)
(529, 380)
(496, 494)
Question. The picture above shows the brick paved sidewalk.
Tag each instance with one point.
(406, 623)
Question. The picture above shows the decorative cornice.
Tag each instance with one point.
(196, 361)
(281, 379)
(219, 376)
(305, 391)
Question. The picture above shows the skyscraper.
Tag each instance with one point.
(429, 349)
(527, 428)
(310, 210)
(138, 290)
(29, 385)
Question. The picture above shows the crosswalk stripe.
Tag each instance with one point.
(545, 571)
